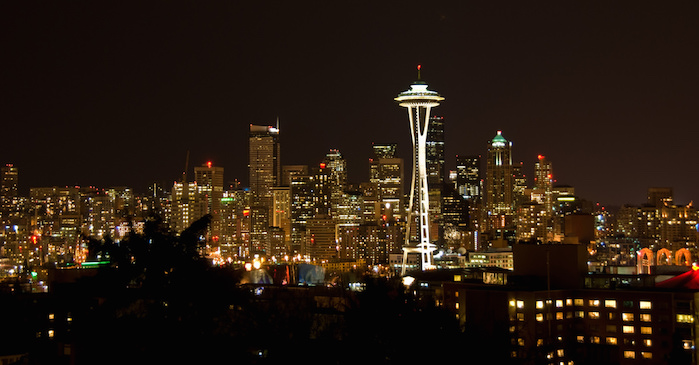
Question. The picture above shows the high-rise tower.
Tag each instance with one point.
(265, 173)
(419, 101)
(499, 183)
(209, 180)
(264, 163)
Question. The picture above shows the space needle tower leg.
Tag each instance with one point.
(419, 102)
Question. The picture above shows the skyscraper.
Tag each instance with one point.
(386, 174)
(265, 173)
(419, 101)
(264, 162)
(209, 180)
(8, 193)
(543, 181)
(434, 149)
(468, 178)
(499, 183)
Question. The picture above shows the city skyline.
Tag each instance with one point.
(116, 95)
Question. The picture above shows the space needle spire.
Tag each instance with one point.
(419, 101)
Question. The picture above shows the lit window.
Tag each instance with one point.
(540, 342)
(685, 318)
(512, 303)
(686, 344)
(569, 302)
(456, 306)
(581, 338)
(594, 339)
(647, 330)
(520, 316)
(50, 333)
(51, 316)
(559, 315)
(645, 317)
(594, 302)
(539, 304)
(647, 342)
(629, 355)
(627, 329)
(539, 317)
(559, 303)
(611, 340)
(646, 355)
(579, 302)
(520, 304)
(512, 328)
(627, 317)
(520, 341)
(610, 303)
(580, 314)
(593, 315)
(645, 304)
(560, 353)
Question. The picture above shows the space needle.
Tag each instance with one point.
(419, 101)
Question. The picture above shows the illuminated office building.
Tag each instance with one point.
(209, 181)
(499, 183)
(265, 173)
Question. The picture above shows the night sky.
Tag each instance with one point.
(116, 93)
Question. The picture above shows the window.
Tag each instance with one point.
(611, 340)
(628, 304)
(560, 353)
(685, 318)
(646, 355)
(540, 342)
(580, 314)
(687, 344)
(627, 317)
(520, 304)
(594, 302)
(559, 303)
(594, 339)
(629, 355)
(593, 315)
(520, 316)
(647, 330)
(610, 303)
(559, 315)
(579, 302)
(645, 304)
(644, 317)
(539, 317)
(647, 342)
(581, 338)
(512, 303)
(611, 328)
(569, 302)
(627, 329)
(539, 304)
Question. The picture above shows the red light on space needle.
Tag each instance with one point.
(541, 157)
(419, 67)
(322, 165)
(208, 164)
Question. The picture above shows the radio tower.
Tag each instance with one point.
(419, 101)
